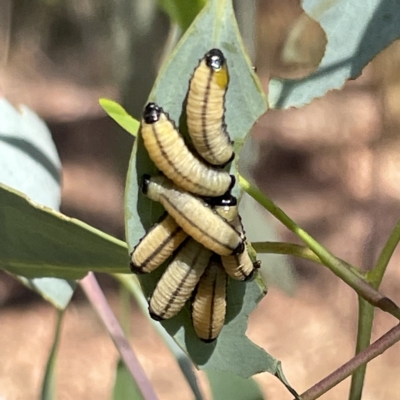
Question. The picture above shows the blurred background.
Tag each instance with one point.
(333, 166)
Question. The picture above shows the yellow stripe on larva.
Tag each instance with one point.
(169, 152)
(179, 280)
(205, 109)
(195, 217)
(209, 304)
(239, 266)
(157, 245)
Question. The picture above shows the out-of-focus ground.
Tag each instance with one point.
(333, 166)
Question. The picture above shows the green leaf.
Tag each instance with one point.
(28, 157)
(36, 241)
(182, 12)
(27, 150)
(356, 30)
(55, 290)
(49, 381)
(228, 386)
(120, 116)
(125, 388)
(214, 27)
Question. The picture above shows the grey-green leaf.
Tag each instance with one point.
(36, 241)
(29, 162)
(356, 30)
(228, 386)
(125, 388)
(55, 290)
(214, 27)
(28, 158)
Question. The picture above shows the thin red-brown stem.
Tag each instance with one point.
(371, 352)
(99, 302)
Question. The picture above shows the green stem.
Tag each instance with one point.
(49, 381)
(336, 266)
(375, 276)
(291, 249)
(366, 311)
(295, 250)
(365, 322)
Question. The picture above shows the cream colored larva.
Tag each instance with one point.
(157, 245)
(179, 280)
(205, 109)
(169, 152)
(209, 304)
(195, 217)
(237, 266)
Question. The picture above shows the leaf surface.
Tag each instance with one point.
(228, 386)
(356, 31)
(36, 241)
(29, 163)
(120, 116)
(45, 249)
(125, 387)
(214, 27)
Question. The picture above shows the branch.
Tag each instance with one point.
(99, 302)
(373, 351)
(375, 276)
(366, 311)
(295, 250)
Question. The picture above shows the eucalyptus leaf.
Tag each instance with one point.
(36, 241)
(228, 386)
(29, 163)
(356, 30)
(214, 27)
(120, 116)
(125, 388)
(29, 160)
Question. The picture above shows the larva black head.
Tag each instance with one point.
(228, 200)
(151, 113)
(145, 183)
(250, 275)
(155, 316)
(225, 200)
(215, 59)
(239, 249)
(233, 181)
(208, 340)
(136, 269)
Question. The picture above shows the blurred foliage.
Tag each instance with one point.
(182, 12)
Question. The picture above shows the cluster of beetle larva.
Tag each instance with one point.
(201, 225)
